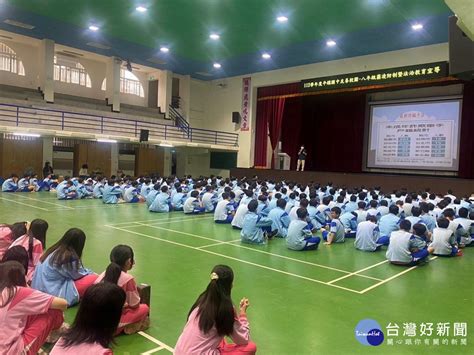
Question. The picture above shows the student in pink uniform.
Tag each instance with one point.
(96, 322)
(34, 242)
(10, 232)
(17, 253)
(212, 317)
(27, 316)
(134, 314)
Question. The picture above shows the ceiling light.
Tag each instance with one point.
(103, 140)
(141, 9)
(266, 56)
(165, 145)
(214, 36)
(164, 49)
(330, 43)
(94, 28)
(26, 134)
(282, 19)
(217, 65)
(417, 26)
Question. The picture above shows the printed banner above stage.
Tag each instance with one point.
(244, 124)
(376, 77)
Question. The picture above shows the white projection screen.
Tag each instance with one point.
(415, 135)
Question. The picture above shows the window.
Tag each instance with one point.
(9, 61)
(71, 72)
(129, 84)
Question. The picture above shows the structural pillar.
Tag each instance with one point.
(113, 83)
(165, 83)
(46, 73)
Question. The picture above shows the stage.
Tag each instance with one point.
(387, 182)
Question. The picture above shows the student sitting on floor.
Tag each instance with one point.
(34, 241)
(209, 199)
(336, 231)
(112, 193)
(131, 194)
(66, 191)
(349, 221)
(255, 228)
(27, 316)
(299, 233)
(444, 240)
(152, 194)
(162, 201)
(361, 212)
(24, 184)
(10, 184)
(280, 219)
(224, 212)
(60, 271)
(134, 314)
(463, 236)
(238, 220)
(193, 205)
(367, 235)
(388, 224)
(314, 214)
(426, 218)
(96, 322)
(177, 201)
(404, 248)
(414, 216)
(10, 233)
(262, 209)
(98, 189)
(213, 317)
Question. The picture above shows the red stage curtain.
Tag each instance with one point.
(269, 119)
(291, 129)
(261, 134)
(466, 144)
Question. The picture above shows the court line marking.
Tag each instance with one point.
(263, 252)
(156, 341)
(49, 203)
(392, 277)
(152, 351)
(165, 222)
(220, 243)
(237, 259)
(159, 219)
(355, 273)
(24, 204)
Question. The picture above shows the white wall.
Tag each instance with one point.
(29, 55)
(222, 100)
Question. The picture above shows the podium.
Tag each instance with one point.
(283, 161)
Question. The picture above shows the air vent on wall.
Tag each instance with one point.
(97, 45)
(202, 73)
(156, 61)
(66, 54)
(73, 53)
(26, 26)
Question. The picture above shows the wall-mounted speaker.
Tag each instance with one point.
(236, 117)
(144, 135)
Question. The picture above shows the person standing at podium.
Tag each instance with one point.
(301, 158)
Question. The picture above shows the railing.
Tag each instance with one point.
(30, 117)
(179, 120)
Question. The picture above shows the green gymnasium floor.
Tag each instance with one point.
(301, 302)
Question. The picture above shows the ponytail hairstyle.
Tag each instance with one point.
(38, 229)
(215, 303)
(68, 250)
(12, 274)
(118, 258)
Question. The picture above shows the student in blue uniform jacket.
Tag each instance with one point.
(10, 184)
(280, 219)
(98, 189)
(66, 191)
(131, 194)
(152, 194)
(177, 201)
(253, 225)
(24, 184)
(112, 193)
(388, 224)
(299, 233)
(161, 203)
